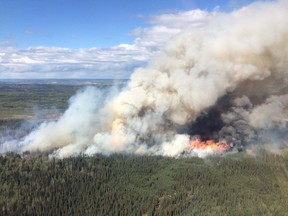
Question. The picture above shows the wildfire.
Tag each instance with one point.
(208, 145)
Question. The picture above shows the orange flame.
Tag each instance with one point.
(208, 144)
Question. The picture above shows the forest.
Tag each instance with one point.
(34, 184)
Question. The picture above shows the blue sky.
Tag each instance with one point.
(88, 23)
(28, 27)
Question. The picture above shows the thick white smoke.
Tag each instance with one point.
(243, 54)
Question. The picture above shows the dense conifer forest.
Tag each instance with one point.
(143, 185)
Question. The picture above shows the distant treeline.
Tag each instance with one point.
(143, 185)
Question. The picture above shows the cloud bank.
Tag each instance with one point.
(96, 62)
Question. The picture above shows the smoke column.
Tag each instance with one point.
(226, 80)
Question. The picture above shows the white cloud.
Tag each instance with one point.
(181, 19)
(114, 62)
(44, 62)
(165, 26)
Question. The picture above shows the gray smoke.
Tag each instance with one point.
(237, 129)
(229, 75)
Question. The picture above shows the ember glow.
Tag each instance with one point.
(197, 144)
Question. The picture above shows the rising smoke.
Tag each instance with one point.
(225, 81)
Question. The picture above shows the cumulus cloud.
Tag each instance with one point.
(96, 62)
(63, 62)
(165, 26)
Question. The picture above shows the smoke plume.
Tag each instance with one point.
(225, 81)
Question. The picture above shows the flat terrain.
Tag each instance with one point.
(34, 184)
(26, 103)
(25, 100)
(20, 99)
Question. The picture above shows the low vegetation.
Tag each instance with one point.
(23, 101)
